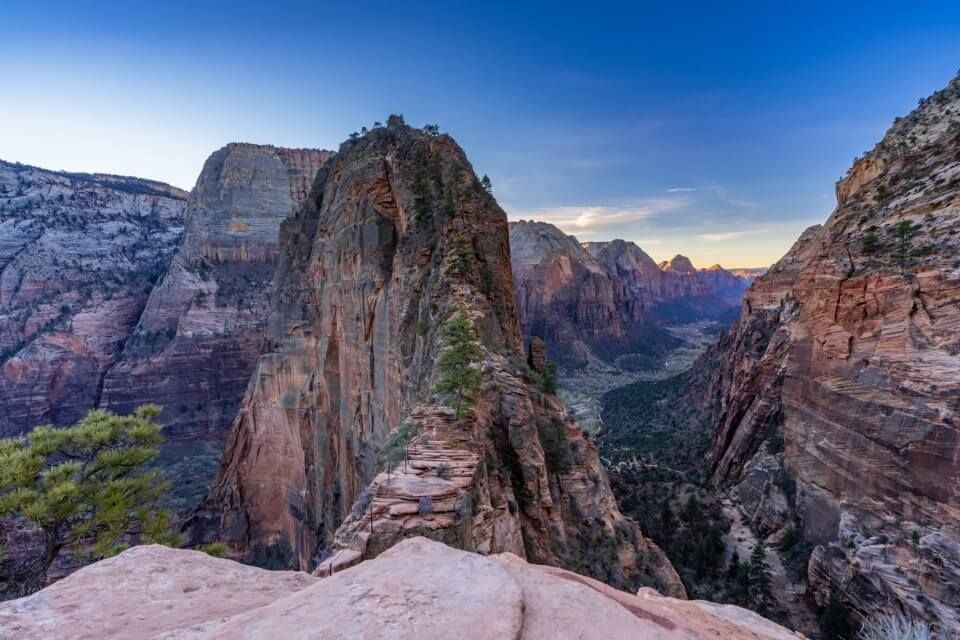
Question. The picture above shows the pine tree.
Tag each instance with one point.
(459, 363)
(397, 446)
(904, 232)
(759, 593)
(487, 185)
(85, 484)
(833, 620)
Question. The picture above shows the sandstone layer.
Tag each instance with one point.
(417, 589)
(396, 235)
(198, 338)
(79, 256)
(849, 348)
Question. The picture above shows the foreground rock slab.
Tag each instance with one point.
(417, 589)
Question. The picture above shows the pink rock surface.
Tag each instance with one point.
(416, 589)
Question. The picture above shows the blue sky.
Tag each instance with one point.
(687, 127)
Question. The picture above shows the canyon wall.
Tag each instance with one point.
(79, 257)
(396, 236)
(199, 335)
(849, 350)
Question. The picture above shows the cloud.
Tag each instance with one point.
(682, 189)
(729, 235)
(592, 219)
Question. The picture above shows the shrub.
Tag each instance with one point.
(216, 549)
(425, 507)
(443, 470)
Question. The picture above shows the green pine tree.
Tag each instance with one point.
(84, 484)
(759, 594)
(904, 231)
(459, 363)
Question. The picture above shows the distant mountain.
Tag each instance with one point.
(79, 256)
(609, 299)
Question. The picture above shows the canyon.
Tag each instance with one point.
(609, 301)
(832, 402)
(297, 305)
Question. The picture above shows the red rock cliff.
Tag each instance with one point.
(397, 233)
(850, 347)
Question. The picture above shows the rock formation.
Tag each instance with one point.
(79, 255)
(417, 589)
(198, 338)
(397, 235)
(604, 299)
(847, 349)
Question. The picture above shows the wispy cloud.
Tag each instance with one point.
(729, 235)
(682, 189)
(591, 219)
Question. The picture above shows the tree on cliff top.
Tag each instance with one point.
(85, 484)
(459, 363)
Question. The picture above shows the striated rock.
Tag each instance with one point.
(396, 234)
(537, 355)
(79, 255)
(198, 338)
(417, 589)
(849, 347)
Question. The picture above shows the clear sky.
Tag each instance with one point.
(687, 127)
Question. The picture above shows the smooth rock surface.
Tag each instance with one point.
(417, 589)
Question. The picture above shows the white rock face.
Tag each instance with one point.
(416, 589)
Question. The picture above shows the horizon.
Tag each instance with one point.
(714, 135)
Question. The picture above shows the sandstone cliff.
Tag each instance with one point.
(197, 341)
(396, 234)
(418, 589)
(79, 256)
(847, 349)
(606, 299)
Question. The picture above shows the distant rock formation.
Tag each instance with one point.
(79, 256)
(848, 352)
(396, 235)
(417, 589)
(603, 299)
(199, 336)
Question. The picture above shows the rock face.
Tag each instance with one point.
(199, 336)
(417, 589)
(603, 298)
(79, 256)
(396, 235)
(849, 348)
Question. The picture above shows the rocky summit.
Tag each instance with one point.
(397, 236)
(417, 589)
(835, 398)
(80, 255)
